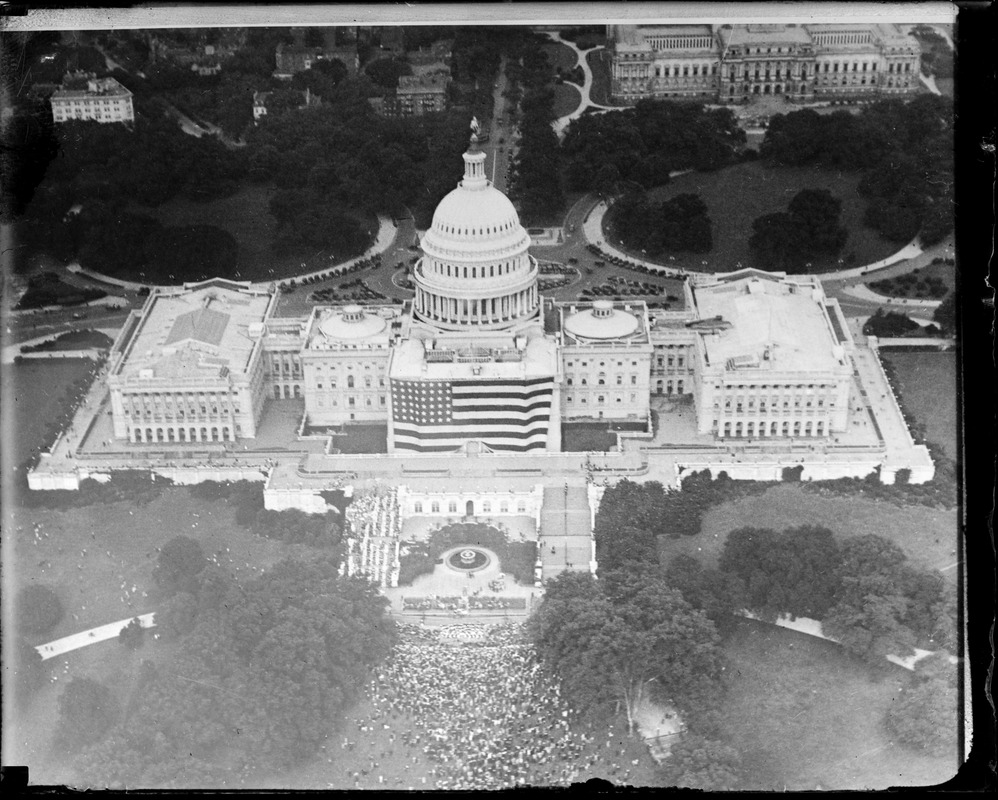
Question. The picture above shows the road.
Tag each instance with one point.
(499, 148)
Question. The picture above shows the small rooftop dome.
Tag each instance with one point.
(351, 322)
(602, 321)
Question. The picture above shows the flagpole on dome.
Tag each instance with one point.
(474, 162)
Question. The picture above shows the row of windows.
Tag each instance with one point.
(351, 402)
(352, 384)
(773, 405)
(600, 399)
(159, 434)
(672, 361)
(380, 366)
(672, 70)
(601, 363)
(738, 429)
(601, 380)
(667, 387)
(486, 507)
(477, 231)
(494, 270)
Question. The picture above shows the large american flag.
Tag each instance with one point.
(439, 416)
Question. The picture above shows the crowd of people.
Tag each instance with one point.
(484, 715)
(375, 523)
(464, 603)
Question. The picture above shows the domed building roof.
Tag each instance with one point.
(602, 321)
(351, 323)
(475, 219)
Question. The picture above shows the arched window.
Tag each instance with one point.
(417, 507)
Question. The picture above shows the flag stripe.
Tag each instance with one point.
(438, 416)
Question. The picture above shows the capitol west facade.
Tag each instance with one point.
(479, 358)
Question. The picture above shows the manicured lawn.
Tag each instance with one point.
(737, 195)
(120, 542)
(362, 439)
(582, 437)
(246, 215)
(600, 91)
(928, 389)
(805, 715)
(560, 55)
(33, 392)
(918, 288)
(927, 536)
(74, 340)
(566, 100)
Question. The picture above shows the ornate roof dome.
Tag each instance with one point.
(476, 270)
(475, 218)
(602, 321)
(351, 323)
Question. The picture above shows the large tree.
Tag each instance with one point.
(611, 640)
(695, 762)
(792, 572)
(871, 605)
(808, 230)
(87, 711)
(179, 563)
(39, 609)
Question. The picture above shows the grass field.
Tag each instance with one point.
(737, 195)
(928, 389)
(119, 541)
(946, 273)
(601, 88)
(246, 215)
(560, 55)
(74, 340)
(33, 393)
(805, 715)
(566, 100)
(927, 536)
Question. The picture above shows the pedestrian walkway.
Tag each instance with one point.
(863, 292)
(585, 101)
(813, 627)
(101, 633)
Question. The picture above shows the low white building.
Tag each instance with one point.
(772, 357)
(99, 100)
(189, 367)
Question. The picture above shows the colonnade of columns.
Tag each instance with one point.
(180, 433)
(763, 429)
(478, 310)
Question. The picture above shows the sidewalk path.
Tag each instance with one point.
(863, 292)
(812, 627)
(99, 634)
(585, 101)
(593, 228)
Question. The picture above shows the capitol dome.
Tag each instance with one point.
(476, 271)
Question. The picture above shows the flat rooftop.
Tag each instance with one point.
(763, 35)
(104, 87)
(201, 332)
(788, 319)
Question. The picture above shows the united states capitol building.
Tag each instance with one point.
(480, 356)
(476, 380)
(733, 63)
